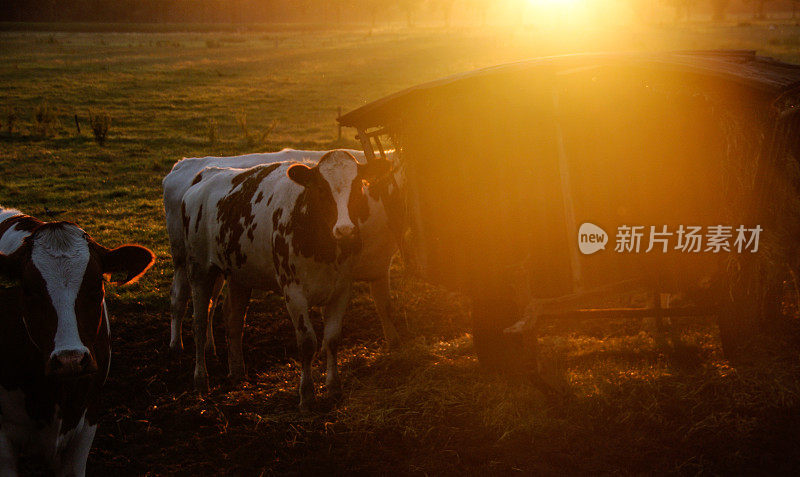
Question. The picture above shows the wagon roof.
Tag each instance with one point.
(738, 66)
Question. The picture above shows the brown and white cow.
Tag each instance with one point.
(285, 227)
(54, 337)
(380, 232)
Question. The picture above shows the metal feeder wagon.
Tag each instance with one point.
(505, 164)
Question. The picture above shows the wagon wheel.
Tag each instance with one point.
(756, 308)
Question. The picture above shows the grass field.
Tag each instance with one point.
(426, 409)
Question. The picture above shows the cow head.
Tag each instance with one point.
(389, 190)
(334, 186)
(60, 270)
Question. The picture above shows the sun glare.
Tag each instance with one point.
(557, 3)
(576, 13)
(556, 6)
(559, 11)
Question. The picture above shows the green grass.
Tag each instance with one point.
(629, 407)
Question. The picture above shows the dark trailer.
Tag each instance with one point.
(504, 164)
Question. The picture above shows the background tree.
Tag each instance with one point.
(478, 9)
(683, 8)
(371, 8)
(445, 7)
(409, 9)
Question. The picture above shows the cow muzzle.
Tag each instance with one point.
(344, 232)
(71, 364)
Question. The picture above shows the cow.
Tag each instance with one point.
(380, 234)
(54, 337)
(285, 227)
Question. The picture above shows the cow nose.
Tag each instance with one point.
(70, 363)
(344, 231)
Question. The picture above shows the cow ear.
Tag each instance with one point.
(301, 173)
(132, 260)
(374, 169)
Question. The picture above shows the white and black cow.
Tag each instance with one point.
(285, 227)
(54, 337)
(380, 232)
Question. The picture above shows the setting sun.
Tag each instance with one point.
(560, 12)
(558, 3)
(576, 14)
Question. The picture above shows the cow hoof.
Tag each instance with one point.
(393, 344)
(201, 384)
(334, 392)
(306, 397)
(237, 377)
(176, 348)
(306, 406)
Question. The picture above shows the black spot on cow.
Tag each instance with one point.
(259, 197)
(280, 257)
(269, 199)
(276, 217)
(311, 223)
(357, 203)
(197, 178)
(199, 218)
(235, 211)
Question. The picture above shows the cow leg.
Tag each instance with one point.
(333, 314)
(211, 348)
(659, 324)
(235, 312)
(671, 330)
(8, 458)
(73, 462)
(297, 305)
(179, 299)
(379, 289)
(202, 285)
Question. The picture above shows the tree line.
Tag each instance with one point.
(356, 11)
